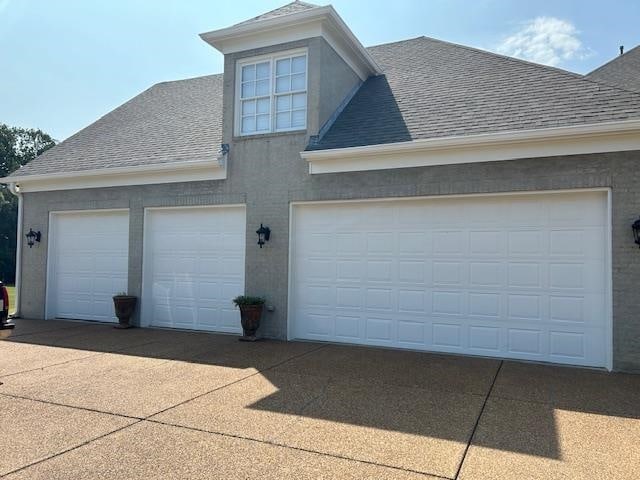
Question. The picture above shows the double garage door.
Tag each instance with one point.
(514, 276)
(517, 276)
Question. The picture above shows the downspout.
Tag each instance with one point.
(15, 190)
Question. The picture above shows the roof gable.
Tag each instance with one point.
(293, 22)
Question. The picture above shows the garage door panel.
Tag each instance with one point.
(194, 267)
(89, 262)
(506, 276)
(209, 290)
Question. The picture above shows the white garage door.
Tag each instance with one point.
(88, 264)
(193, 267)
(514, 276)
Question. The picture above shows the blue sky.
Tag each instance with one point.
(65, 63)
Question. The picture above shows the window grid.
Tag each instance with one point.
(255, 103)
(273, 95)
(290, 91)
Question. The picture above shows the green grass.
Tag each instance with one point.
(12, 298)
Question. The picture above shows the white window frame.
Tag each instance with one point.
(272, 59)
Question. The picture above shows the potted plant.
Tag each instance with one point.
(124, 305)
(250, 313)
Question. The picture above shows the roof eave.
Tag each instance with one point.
(623, 135)
(213, 168)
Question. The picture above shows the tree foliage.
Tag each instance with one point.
(18, 146)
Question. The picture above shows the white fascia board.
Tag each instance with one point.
(546, 142)
(189, 171)
(318, 22)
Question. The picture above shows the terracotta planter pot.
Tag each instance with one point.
(250, 319)
(124, 306)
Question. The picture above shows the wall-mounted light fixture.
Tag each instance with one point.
(33, 237)
(264, 233)
(636, 231)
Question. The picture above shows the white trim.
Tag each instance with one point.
(608, 246)
(609, 280)
(289, 270)
(487, 147)
(51, 245)
(188, 171)
(317, 22)
(15, 190)
(145, 250)
(272, 59)
(190, 207)
(453, 195)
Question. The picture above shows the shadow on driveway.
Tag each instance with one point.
(327, 389)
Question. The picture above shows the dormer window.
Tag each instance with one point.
(271, 93)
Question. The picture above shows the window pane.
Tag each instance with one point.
(263, 70)
(298, 81)
(263, 105)
(282, 84)
(262, 87)
(283, 103)
(300, 100)
(298, 64)
(248, 89)
(263, 123)
(257, 103)
(248, 124)
(248, 107)
(248, 72)
(298, 118)
(283, 120)
(283, 67)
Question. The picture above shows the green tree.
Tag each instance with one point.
(18, 146)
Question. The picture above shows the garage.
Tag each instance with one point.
(523, 276)
(194, 261)
(88, 263)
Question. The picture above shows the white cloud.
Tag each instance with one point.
(546, 40)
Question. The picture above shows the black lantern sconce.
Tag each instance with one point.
(636, 231)
(33, 237)
(264, 233)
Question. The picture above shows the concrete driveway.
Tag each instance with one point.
(82, 400)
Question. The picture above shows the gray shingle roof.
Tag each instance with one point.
(169, 122)
(435, 89)
(623, 71)
(293, 7)
(430, 89)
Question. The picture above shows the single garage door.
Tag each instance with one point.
(193, 267)
(513, 276)
(88, 263)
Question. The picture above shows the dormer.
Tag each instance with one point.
(289, 70)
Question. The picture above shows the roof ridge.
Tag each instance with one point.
(507, 57)
(306, 4)
(396, 41)
(614, 59)
(561, 71)
(262, 16)
(187, 79)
